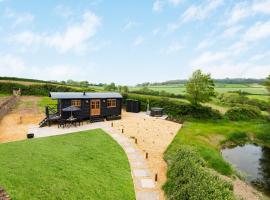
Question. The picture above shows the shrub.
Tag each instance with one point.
(189, 179)
(40, 89)
(237, 137)
(235, 99)
(243, 112)
(176, 109)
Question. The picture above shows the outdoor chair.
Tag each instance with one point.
(79, 120)
(61, 123)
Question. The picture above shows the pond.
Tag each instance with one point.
(254, 162)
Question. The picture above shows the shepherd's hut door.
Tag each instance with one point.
(95, 107)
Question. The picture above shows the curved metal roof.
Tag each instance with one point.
(86, 95)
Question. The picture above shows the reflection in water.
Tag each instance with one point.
(264, 169)
(253, 161)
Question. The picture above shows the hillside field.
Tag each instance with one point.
(255, 90)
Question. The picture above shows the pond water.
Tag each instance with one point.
(254, 162)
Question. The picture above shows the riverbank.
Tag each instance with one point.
(209, 137)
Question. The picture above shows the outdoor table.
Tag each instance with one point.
(71, 121)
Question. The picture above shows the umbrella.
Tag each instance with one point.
(71, 109)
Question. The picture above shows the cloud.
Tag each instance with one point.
(175, 2)
(221, 64)
(11, 65)
(156, 31)
(130, 24)
(138, 41)
(209, 58)
(258, 31)
(173, 47)
(231, 31)
(260, 57)
(158, 5)
(205, 43)
(195, 13)
(200, 12)
(73, 38)
(244, 10)
(63, 11)
(18, 18)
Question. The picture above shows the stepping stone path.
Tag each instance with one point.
(144, 184)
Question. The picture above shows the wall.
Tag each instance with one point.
(6, 106)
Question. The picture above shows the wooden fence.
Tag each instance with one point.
(6, 106)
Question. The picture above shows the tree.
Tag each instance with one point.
(200, 88)
(125, 89)
(267, 83)
(110, 87)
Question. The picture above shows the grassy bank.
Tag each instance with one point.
(209, 137)
(84, 165)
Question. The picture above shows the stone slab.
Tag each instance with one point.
(147, 196)
(147, 183)
(140, 173)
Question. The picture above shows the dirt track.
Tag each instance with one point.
(14, 125)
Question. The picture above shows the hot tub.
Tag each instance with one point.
(156, 112)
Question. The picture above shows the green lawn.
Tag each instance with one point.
(83, 165)
(4, 95)
(209, 137)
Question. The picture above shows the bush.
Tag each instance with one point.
(238, 137)
(176, 109)
(243, 112)
(233, 99)
(161, 93)
(189, 179)
(39, 89)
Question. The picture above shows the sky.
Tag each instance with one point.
(134, 41)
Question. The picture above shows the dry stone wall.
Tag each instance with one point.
(6, 106)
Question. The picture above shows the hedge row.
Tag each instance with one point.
(188, 178)
(176, 109)
(39, 89)
(243, 112)
(161, 93)
(234, 99)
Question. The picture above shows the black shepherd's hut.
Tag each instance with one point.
(91, 104)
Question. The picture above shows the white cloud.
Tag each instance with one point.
(259, 57)
(173, 47)
(209, 58)
(195, 12)
(244, 10)
(175, 2)
(205, 43)
(63, 11)
(138, 41)
(221, 64)
(158, 5)
(231, 31)
(156, 31)
(200, 12)
(19, 18)
(11, 65)
(130, 24)
(261, 7)
(258, 31)
(73, 38)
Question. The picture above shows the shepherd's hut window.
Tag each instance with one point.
(76, 103)
(111, 103)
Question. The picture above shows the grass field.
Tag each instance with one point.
(254, 89)
(84, 165)
(209, 137)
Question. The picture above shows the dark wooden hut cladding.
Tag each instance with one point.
(91, 104)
